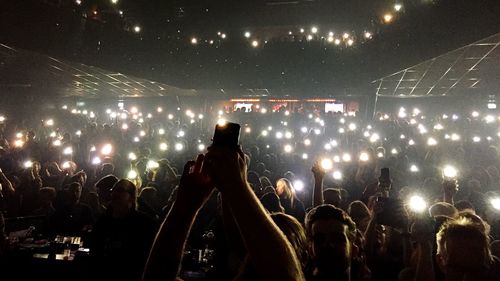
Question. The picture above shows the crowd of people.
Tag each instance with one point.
(309, 195)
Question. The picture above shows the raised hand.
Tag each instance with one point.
(226, 167)
(195, 187)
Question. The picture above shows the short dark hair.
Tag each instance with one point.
(329, 212)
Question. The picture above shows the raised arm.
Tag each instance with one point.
(166, 254)
(228, 170)
(318, 174)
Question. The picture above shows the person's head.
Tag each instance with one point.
(103, 188)
(284, 188)
(123, 196)
(462, 248)
(47, 195)
(359, 213)
(443, 209)
(265, 182)
(149, 195)
(72, 193)
(332, 196)
(271, 202)
(331, 234)
(295, 234)
(107, 169)
(464, 205)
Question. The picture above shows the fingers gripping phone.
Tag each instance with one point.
(227, 135)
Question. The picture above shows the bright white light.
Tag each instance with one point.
(327, 146)
(49, 122)
(68, 150)
(336, 159)
(314, 29)
(350, 42)
(179, 146)
(492, 105)
(298, 185)
(182, 133)
(137, 29)
(368, 35)
(137, 139)
(279, 135)
(337, 175)
(317, 131)
(489, 119)
(263, 111)
(159, 109)
(92, 148)
(341, 130)
(264, 133)
(411, 142)
(18, 143)
(303, 130)
(56, 143)
(2, 118)
(302, 30)
(450, 172)
(223, 36)
(417, 204)
(388, 18)
(394, 151)
(398, 7)
(65, 165)
(124, 126)
(200, 116)
(19, 135)
(309, 37)
(28, 164)
(495, 203)
(364, 157)
(53, 134)
(307, 142)
(454, 117)
(123, 115)
(248, 130)
(152, 165)
(247, 34)
(438, 127)
(413, 121)
(455, 137)
(352, 127)
(288, 148)
(78, 2)
(346, 157)
(337, 41)
(330, 39)
(132, 175)
(374, 137)
(413, 168)
(476, 139)
(96, 161)
(288, 135)
(402, 137)
(345, 35)
(326, 164)
(304, 156)
(366, 134)
(142, 133)
(132, 156)
(380, 155)
(431, 141)
(170, 116)
(201, 147)
(106, 149)
(163, 146)
(475, 114)
(194, 41)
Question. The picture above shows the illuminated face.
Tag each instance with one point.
(331, 248)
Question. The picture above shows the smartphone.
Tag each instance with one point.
(384, 181)
(389, 216)
(227, 135)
